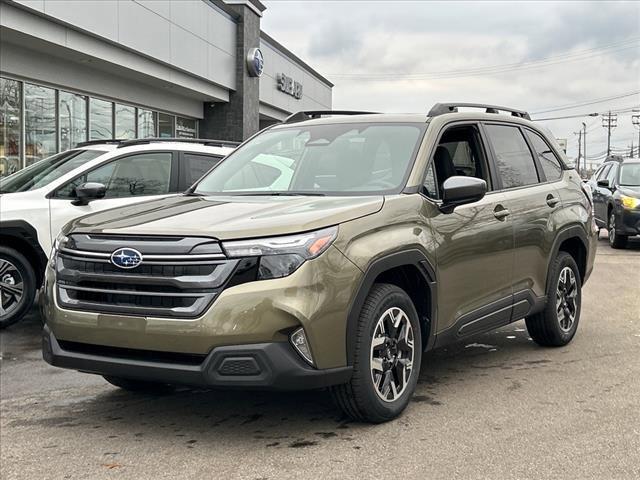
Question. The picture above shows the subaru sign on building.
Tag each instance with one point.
(72, 71)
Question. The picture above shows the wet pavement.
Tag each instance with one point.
(496, 406)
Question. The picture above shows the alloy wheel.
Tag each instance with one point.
(612, 228)
(567, 299)
(392, 354)
(11, 287)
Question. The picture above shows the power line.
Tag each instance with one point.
(591, 114)
(587, 102)
(496, 69)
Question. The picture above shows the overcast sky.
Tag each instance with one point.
(397, 56)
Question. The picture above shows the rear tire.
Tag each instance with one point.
(17, 286)
(557, 324)
(387, 357)
(139, 386)
(615, 240)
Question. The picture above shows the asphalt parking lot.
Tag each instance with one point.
(497, 406)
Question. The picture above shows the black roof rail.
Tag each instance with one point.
(442, 108)
(204, 141)
(310, 114)
(111, 141)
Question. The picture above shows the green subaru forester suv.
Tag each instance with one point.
(331, 250)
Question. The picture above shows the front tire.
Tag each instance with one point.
(387, 357)
(17, 286)
(615, 240)
(557, 324)
(139, 386)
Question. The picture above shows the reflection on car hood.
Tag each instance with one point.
(228, 217)
(632, 191)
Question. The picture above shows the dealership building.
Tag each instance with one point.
(76, 70)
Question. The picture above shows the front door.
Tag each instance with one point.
(129, 179)
(473, 245)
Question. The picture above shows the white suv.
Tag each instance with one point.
(36, 202)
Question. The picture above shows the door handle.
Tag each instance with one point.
(552, 201)
(500, 212)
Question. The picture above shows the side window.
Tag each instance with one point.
(459, 153)
(597, 173)
(142, 174)
(194, 166)
(611, 176)
(513, 157)
(550, 164)
(429, 187)
(604, 171)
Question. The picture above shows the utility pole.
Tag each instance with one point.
(609, 121)
(635, 119)
(584, 150)
(578, 167)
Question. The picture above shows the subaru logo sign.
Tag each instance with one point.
(126, 258)
(255, 62)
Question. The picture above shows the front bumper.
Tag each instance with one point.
(628, 221)
(317, 297)
(273, 366)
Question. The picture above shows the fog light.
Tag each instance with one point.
(299, 342)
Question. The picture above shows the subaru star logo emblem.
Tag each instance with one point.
(126, 258)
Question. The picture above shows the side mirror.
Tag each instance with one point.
(460, 190)
(89, 191)
(604, 183)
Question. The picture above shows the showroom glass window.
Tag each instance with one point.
(39, 122)
(165, 125)
(10, 121)
(147, 122)
(186, 128)
(72, 110)
(100, 119)
(125, 121)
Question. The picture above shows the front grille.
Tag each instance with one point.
(174, 283)
(133, 353)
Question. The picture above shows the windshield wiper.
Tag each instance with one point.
(280, 194)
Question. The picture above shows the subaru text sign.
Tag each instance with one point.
(288, 85)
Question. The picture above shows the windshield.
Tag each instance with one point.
(630, 174)
(47, 170)
(361, 158)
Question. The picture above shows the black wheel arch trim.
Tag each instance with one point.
(24, 232)
(411, 256)
(566, 233)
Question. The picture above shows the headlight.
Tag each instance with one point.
(60, 241)
(629, 202)
(281, 256)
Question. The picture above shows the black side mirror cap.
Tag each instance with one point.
(604, 183)
(89, 191)
(459, 190)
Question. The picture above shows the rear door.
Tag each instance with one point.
(128, 179)
(529, 174)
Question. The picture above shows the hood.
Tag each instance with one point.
(229, 217)
(632, 191)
